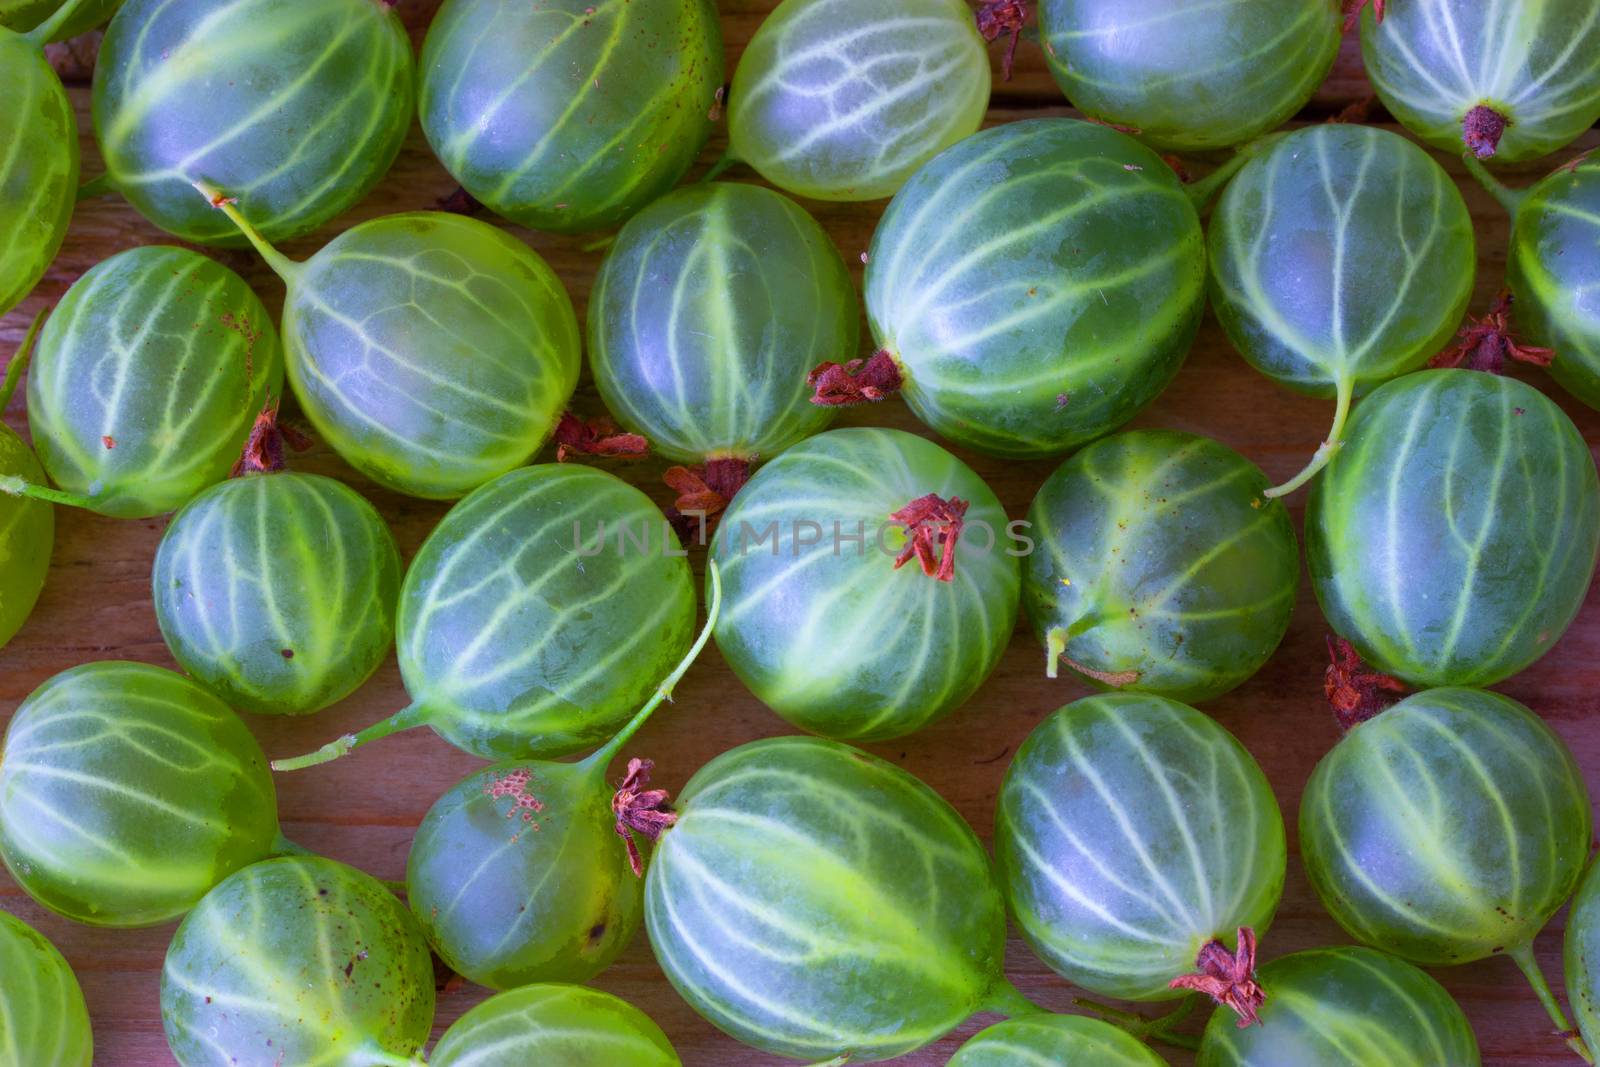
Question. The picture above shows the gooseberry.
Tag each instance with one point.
(1056, 1040)
(43, 1019)
(554, 1026)
(27, 527)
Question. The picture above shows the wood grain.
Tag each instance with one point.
(363, 809)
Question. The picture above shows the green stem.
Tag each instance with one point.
(837, 1061)
(11, 485)
(282, 846)
(1158, 1029)
(42, 34)
(1509, 198)
(1329, 448)
(1006, 999)
(19, 362)
(601, 759)
(281, 265)
(1056, 641)
(599, 244)
(405, 719)
(728, 160)
(94, 187)
(1204, 190)
(1530, 968)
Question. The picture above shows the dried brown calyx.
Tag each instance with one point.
(1482, 129)
(1352, 11)
(598, 436)
(933, 527)
(1354, 114)
(264, 448)
(641, 810)
(1228, 977)
(703, 492)
(1487, 344)
(996, 18)
(860, 381)
(1355, 692)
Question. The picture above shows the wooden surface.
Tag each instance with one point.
(362, 809)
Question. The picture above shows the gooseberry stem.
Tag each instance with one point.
(99, 186)
(282, 846)
(281, 265)
(602, 757)
(1345, 391)
(41, 34)
(1006, 999)
(1508, 198)
(837, 1061)
(19, 361)
(11, 485)
(1056, 641)
(1523, 955)
(1157, 1029)
(405, 719)
(728, 159)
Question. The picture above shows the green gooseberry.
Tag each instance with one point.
(147, 379)
(1190, 75)
(1581, 952)
(39, 170)
(706, 316)
(537, 617)
(24, 16)
(27, 527)
(1453, 539)
(1508, 81)
(1448, 828)
(1337, 1007)
(44, 1021)
(570, 115)
(1554, 269)
(277, 591)
(434, 352)
(1035, 285)
(845, 99)
(1133, 838)
(527, 871)
(812, 552)
(1055, 1040)
(554, 1026)
(1341, 256)
(298, 960)
(297, 109)
(813, 900)
(127, 792)
(1160, 567)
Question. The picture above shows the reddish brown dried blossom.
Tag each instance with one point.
(1482, 129)
(1352, 11)
(931, 523)
(706, 489)
(1228, 977)
(640, 810)
(860, 381)
(1487, 344)
(263, 449)
(1355, 692)
(996, 18)
(598, 436)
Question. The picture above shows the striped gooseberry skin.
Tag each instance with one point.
(127, 792)
(39, 171)
(709, 311)
(845, 99)
(517, 875)
(528, 631)
(1130, 831)
(278, 591)
(813, 899)
(1190, 75)
(1158, 555)
(554, 1025)
(1334, 1007)
(903, 648)
(27, 534)
(1581, 951)
(1343, 253)
(1538, 64)
(1447, 828)
(570, 115)
(1037, 283)
(1554, 272)
(434, 352)
(147, 379)
(296, 109)
(44, 1021)
(297, 960)
(1453, 538)
(25, 15)
(1054, 1041)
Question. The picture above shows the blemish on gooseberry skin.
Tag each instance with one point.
(515, 785)
(109, 441)
(287, 653)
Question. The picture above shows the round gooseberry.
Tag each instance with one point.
(43, 1018)
(24, 16)
(1581, 952)
(1453, 538)
(27, 527)
(555, 1026)
(127, 792)
(1160, 567)
(297, 109)
(1190, 75)
(1059, 1040)
(845, 99)
(813, 552)
(569, 115)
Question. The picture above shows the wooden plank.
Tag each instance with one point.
(362, 810)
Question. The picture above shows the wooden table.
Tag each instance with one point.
(362, 809)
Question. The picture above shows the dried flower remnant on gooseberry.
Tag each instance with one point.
(641, 810)
(1229, 978)
(1487, 344)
